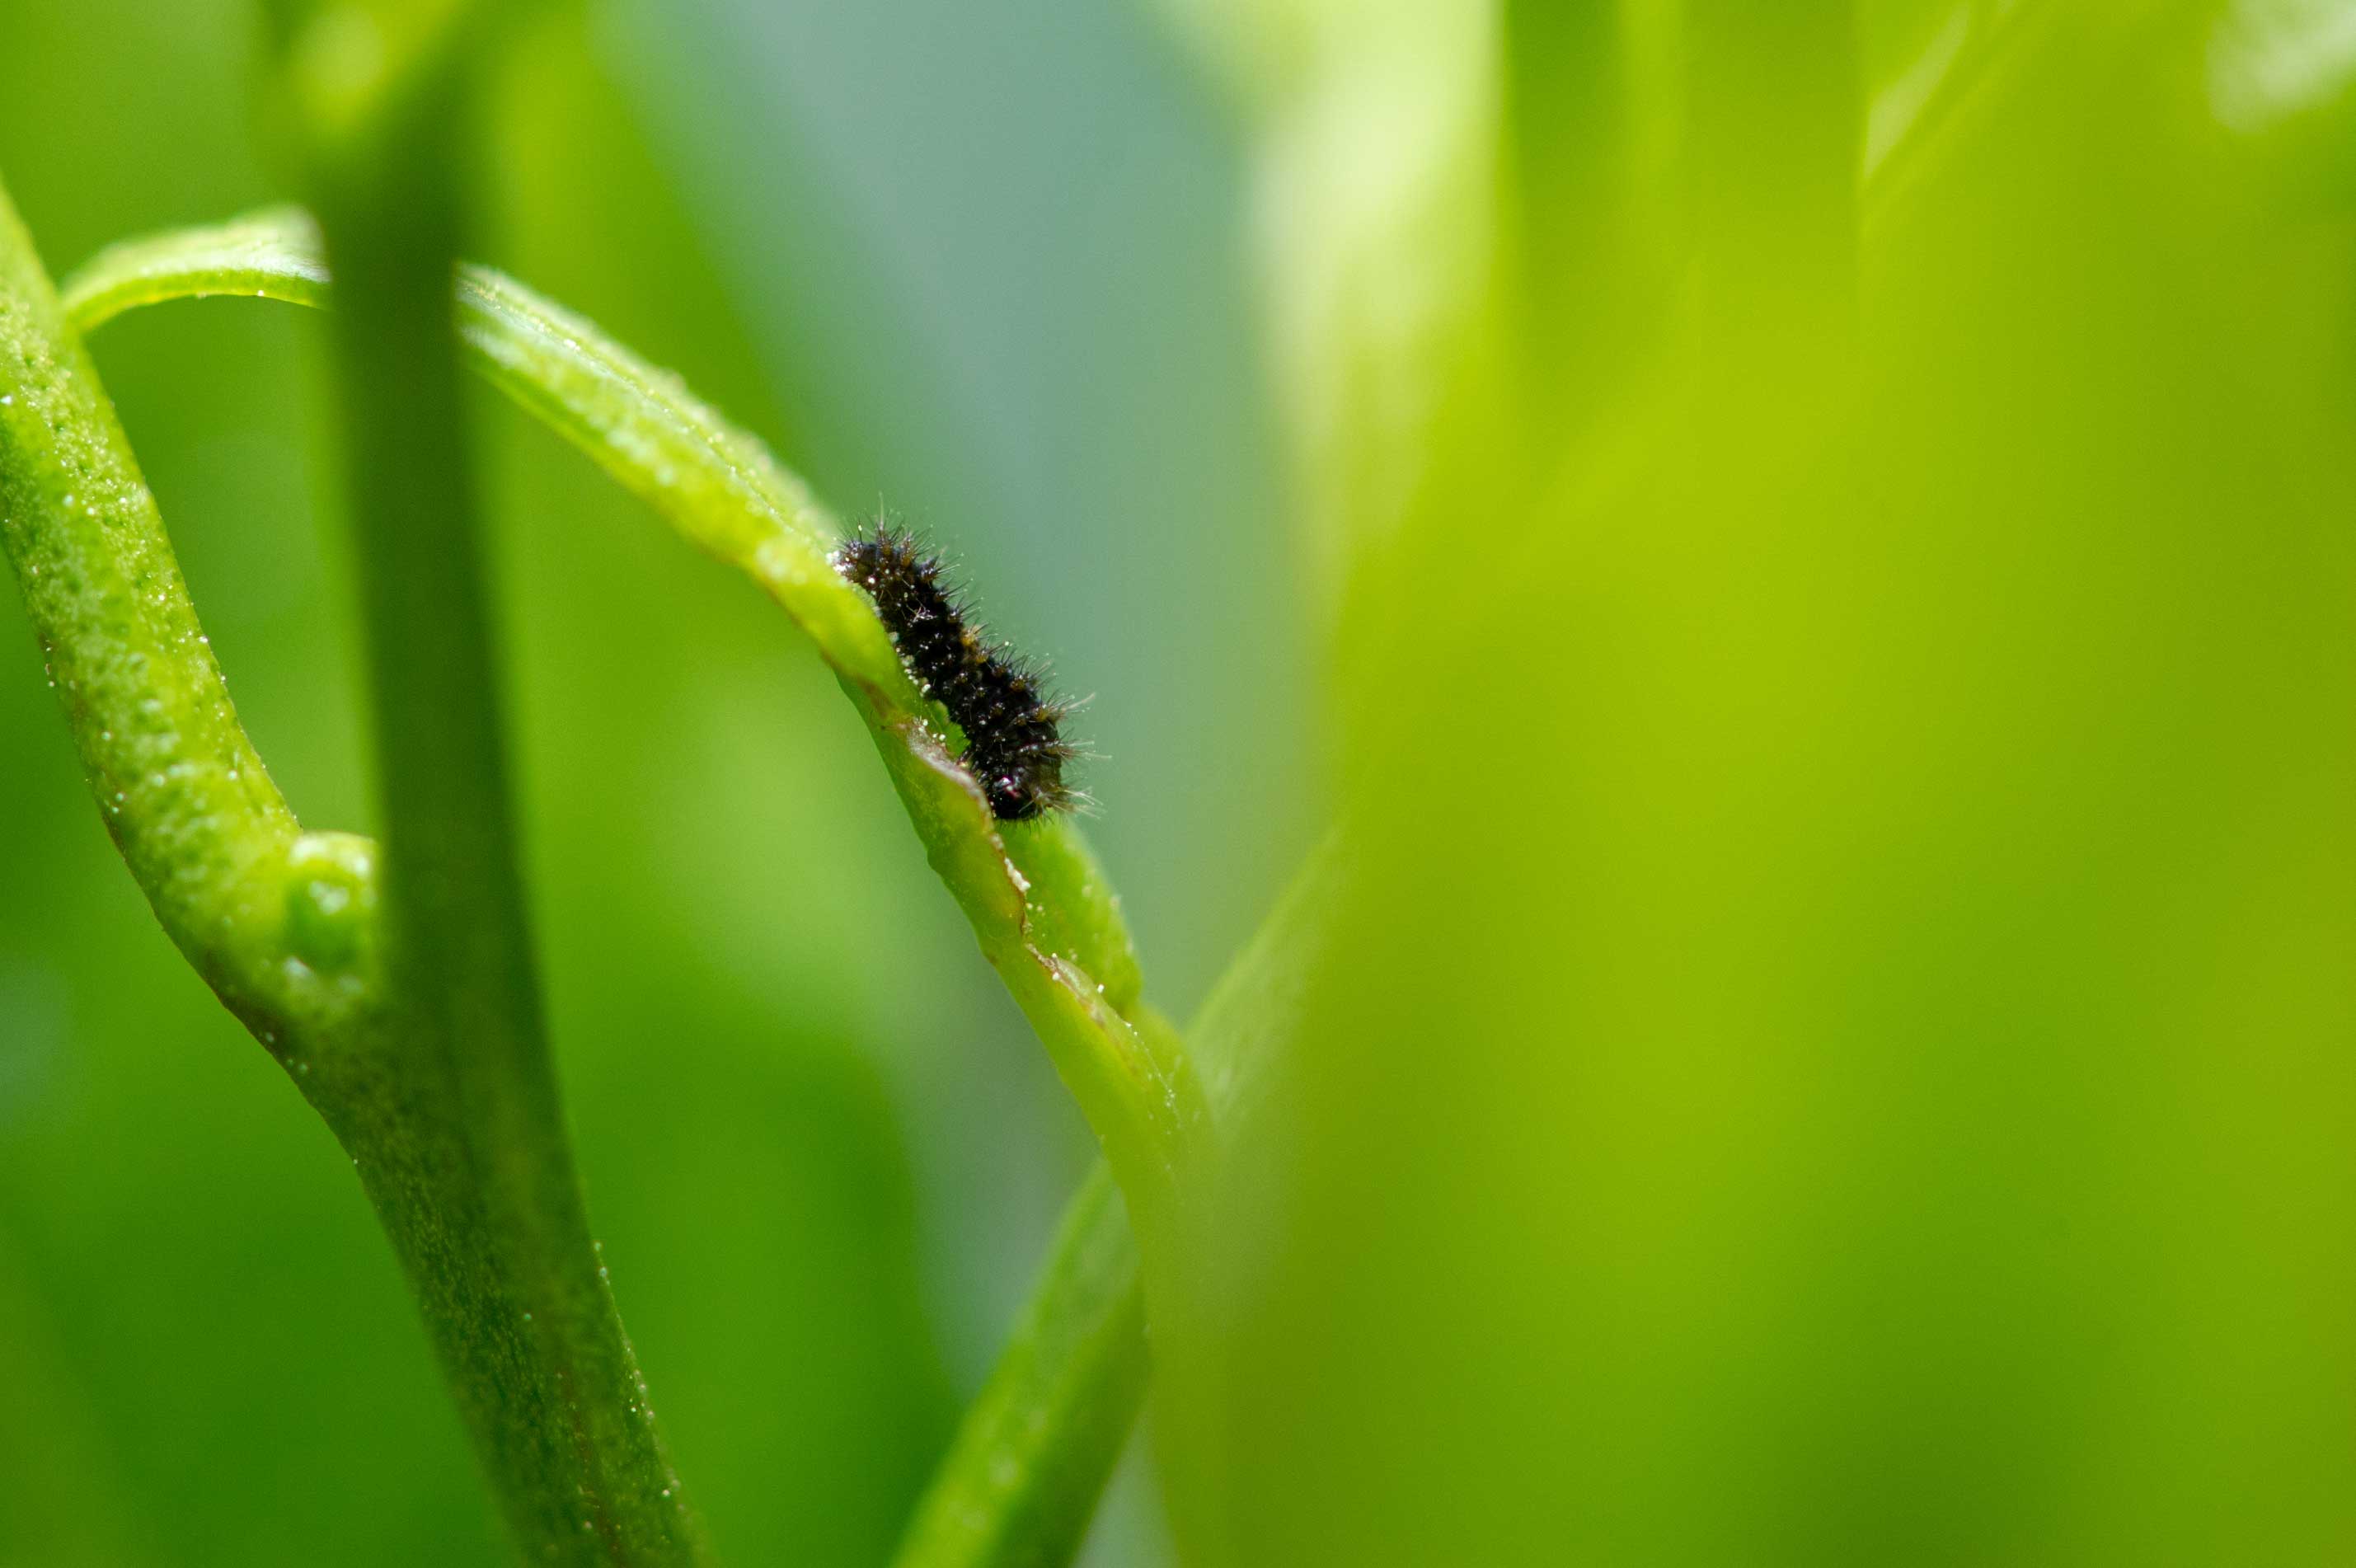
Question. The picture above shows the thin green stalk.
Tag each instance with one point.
(1031, 1455)
(1018, 1486)
(462, 1141)
(202, 828)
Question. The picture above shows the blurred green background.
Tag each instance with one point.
(1810, 545)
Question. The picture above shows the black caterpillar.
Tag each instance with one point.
(1013, 743)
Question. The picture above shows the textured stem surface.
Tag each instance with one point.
(461, 1139)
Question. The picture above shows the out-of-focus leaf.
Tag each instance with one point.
(1372, 134)
(2271, 60)
(1837, 1050)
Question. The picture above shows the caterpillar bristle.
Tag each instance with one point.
(1014, 747)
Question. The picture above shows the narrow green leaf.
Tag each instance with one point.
(1034, 1450)
(205, 832)
(1020, 1484)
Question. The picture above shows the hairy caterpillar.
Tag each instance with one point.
(1013, 743)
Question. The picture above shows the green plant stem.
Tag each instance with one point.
(1021, 1481)
(462, 1144)
(178, 783)
(1031, 1455)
